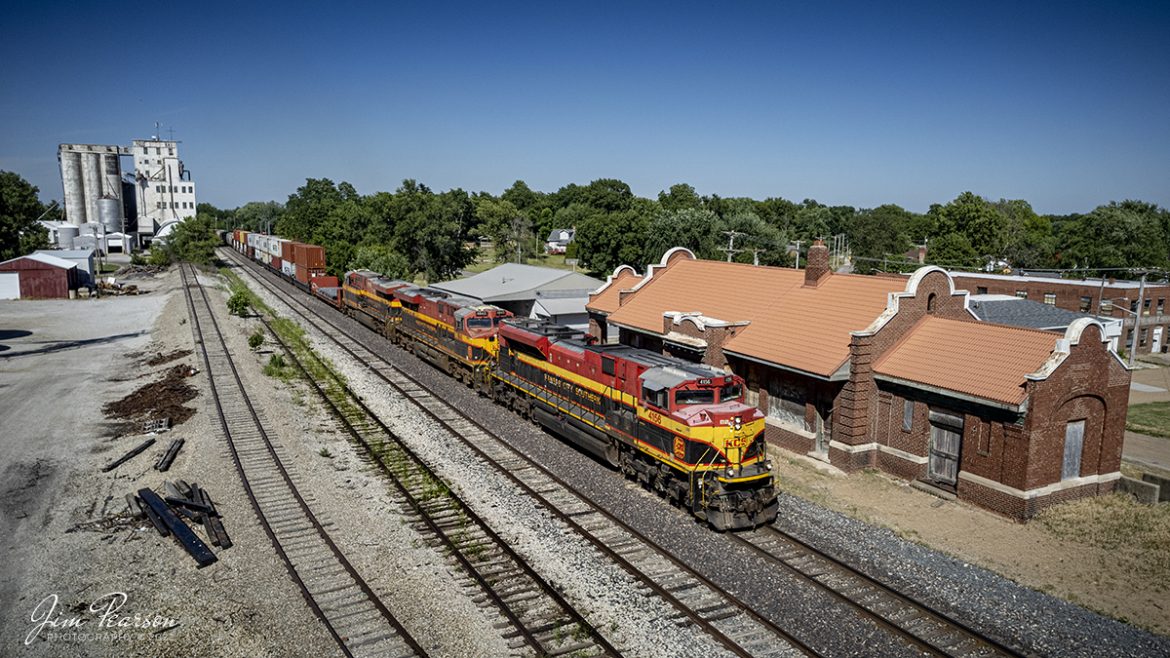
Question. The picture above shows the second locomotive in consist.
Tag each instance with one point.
(677, 427)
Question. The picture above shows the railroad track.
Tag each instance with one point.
(355, 617)
(542, 622)
(699, 602)
(930, 630)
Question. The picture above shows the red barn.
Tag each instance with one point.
(41, 276)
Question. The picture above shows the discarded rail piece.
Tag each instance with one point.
(164, 462)
(128, 456)
(183, 534)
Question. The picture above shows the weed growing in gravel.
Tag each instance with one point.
(256, 339)
(324, 452)
(276, 367)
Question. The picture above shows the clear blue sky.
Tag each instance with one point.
(1066, 106)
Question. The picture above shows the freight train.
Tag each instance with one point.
(679, 428)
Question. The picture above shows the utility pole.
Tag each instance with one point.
(798, 254)
(756, 256)
(1137, 318)
(731, 250)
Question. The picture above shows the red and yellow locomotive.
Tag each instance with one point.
(680, 428)
(456, 334)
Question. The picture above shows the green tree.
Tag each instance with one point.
(258, 215)
(680, 197)
(521, 196)
(758, 240)
(1028, 240)
(382, 259)
(952, 250)
(974, 217)
(606, 240)
(696, 229)
(194, 241)
(878, 234)
(1126, 234)
(429, 230)
(19, 210)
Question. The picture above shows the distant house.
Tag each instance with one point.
(530, 291)
(559, 239)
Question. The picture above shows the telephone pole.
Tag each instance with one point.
(798, 254)
(731, 250)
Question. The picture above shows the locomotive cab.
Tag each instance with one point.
(718, 436)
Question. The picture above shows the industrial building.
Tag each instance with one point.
(529, 291)
(82, 258)
(891, 373)
(119, 209)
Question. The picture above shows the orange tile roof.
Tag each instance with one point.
(803, 328)
(988, 361)
(607, 300)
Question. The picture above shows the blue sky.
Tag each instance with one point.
(1065, 105)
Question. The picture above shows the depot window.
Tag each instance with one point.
(1050, 298)
(684, 397)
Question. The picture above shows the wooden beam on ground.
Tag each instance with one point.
(126, 457)
(168, 457)
(183, 534)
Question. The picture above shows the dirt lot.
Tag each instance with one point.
(1108, 554)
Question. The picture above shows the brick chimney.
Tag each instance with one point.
(817, 267)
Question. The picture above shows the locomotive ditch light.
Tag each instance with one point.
(730, 471)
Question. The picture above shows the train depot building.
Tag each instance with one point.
(890, 373)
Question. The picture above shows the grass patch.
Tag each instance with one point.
(278, 368)
(1136, 535)
(1151, 418)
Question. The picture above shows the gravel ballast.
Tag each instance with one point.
(1020, 617)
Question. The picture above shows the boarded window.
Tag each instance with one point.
(1106, 306)
(907, 415)
(786, 404)
(1086, 304)
(1074, 441)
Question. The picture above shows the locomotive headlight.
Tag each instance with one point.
(730, 471)
(737, 423)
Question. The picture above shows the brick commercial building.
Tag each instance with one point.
(1104, 297)
(890, 373)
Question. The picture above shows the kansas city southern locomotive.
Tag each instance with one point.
(679, 428)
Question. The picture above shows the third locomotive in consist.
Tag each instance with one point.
(677, 427)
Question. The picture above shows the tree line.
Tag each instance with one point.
(415, 231)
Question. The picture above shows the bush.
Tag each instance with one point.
(238, 304)
(137, 259)
(256, 340)
(159, 257)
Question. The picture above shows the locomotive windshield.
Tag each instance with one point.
(683, 397)
(479, 323)
(730, 392)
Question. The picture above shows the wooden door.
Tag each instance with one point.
(943, 466)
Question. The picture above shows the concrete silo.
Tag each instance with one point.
(71, 181)
(91, 179)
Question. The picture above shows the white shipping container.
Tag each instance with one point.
(288, 268)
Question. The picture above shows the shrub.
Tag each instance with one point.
(256, 340)
(238, 304)
(159, 257)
